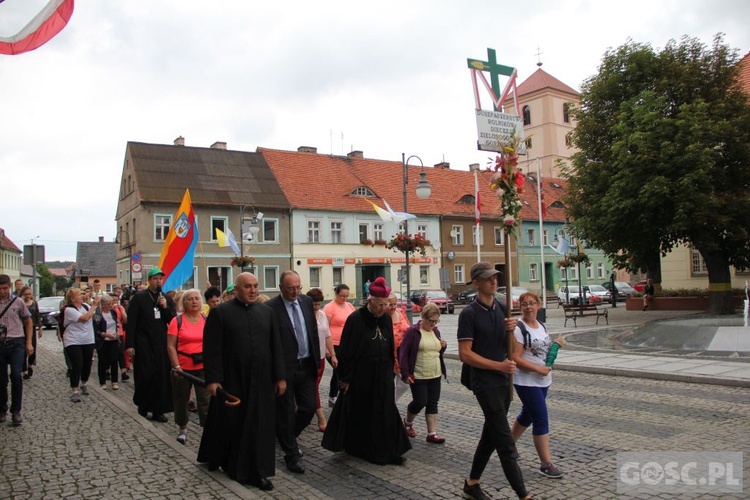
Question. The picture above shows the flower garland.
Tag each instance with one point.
(243, 261)
(507, 183)
(409, 243)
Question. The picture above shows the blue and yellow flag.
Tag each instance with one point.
(178, 252)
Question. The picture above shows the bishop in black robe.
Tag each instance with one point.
(367, 423)
(242, 352)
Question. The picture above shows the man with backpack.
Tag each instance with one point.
(15, 344)
(482, 347)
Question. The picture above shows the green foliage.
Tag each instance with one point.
(664, 157)
(45, 280)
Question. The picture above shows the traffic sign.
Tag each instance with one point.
(136, 257)
(136, 267)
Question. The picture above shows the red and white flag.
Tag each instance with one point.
(542, 202)
(477, 202)
(40, 30)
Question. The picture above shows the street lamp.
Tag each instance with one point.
(581, 291)
(253, 227)
(423, 190)
(129, 250)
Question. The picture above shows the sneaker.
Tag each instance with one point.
(115, 386)
(16, 418)
(75, 397)
(410, 429)
(192, 406)
(550, 470)
(181, 438)
(434, 438)
(474, 492)
(331, 402)
(103, 387)
(84, 390)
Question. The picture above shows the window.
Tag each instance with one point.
(363, 191)
(270, 233)
(457, 233)
(313, 231)
(479, 236)
(337, 232)
(219, 223)
(467, 199)
(532, 238)
(698, 266)
(533, 271)
(219, 276)
(377, 232)
(364, 231)
(422, 229)
(567, 140)
(600, 270)
(528, 143)
(270, 277)
(545, 238)
(499, 236)
(589, 271)
(190, 283)
(573, 273)
(458, 274)
(338, 276)
(566, 112)
(526, 115)
(314, 277)
(161, 226)
(424, 275)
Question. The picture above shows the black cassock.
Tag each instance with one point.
(365, 422)
(242, 351)
(151, 366)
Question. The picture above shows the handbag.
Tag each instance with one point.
(197, 357)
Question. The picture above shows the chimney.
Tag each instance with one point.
(180, 141)
(355, 155)
(443, 165)
(101, 239)
(307, 149)
(219, 145)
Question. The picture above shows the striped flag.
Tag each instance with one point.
(227, 240)
(542, 202)
(477, 201)
(40, 30)
(178, 251)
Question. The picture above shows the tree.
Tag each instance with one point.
(46, 279)
(664, 160)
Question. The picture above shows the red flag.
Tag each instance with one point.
(40, 30)
(477, 202)
(541, 198)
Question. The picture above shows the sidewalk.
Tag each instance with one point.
(590, 347)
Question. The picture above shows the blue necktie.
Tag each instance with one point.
(299, 332)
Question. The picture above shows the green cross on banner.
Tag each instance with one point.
(494, 69)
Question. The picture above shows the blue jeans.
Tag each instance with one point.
(13, 353)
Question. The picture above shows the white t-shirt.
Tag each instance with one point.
(536, 353)
(77, 333)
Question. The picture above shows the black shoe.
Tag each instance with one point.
(142, 412)
(125, 376)
(263, 483)
(398, 461)
(295, 467)
(3, 416)
(16, 418)
(474, 492)
(28, 374)
(159, 417)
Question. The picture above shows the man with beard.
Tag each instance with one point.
(149, 314)
(243, 355)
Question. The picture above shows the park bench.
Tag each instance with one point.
(578, 311)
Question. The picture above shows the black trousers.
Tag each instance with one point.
(80, 357)
(107, 359)
(300, 394)
(496, 436)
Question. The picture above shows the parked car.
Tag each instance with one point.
(517, 291)
(638, 287)
(467, 295)
(400, 300)
(571, 295)
(439, 297)
(624, 290)
(49, 307)
(597, 291)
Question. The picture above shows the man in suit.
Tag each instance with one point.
(299, 338)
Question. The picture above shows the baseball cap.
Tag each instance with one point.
(483, 270)
(154, 271)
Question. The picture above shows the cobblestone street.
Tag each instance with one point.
(101, 448)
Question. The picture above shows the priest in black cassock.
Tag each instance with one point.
(242, 354)
(365, 421)
(149, 314)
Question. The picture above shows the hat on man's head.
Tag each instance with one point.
(154, 271)
(379, 289)
(230, 288)
(483, 270)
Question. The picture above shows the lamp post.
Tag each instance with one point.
(581, 292)
(253, 228)
(129, 249)
(423, 191)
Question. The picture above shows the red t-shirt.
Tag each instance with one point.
(189, 341)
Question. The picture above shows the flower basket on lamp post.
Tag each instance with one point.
(244, 262)
(409, 243)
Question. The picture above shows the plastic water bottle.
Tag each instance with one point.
(552, 354)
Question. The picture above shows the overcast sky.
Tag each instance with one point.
(390, 76)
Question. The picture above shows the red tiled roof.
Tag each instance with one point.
(323, 182)
(6, 243)
(539, 80)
